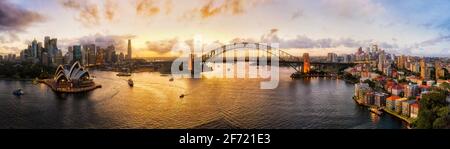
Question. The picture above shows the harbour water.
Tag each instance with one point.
(154, 102)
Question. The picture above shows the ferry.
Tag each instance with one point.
(130, 83)
(376, 110)
(18, 92)
(124, 74)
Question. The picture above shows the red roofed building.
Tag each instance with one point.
(390, 102)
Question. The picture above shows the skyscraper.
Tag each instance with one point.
(91, 54)
(332, 57)
(401, 62)
(306, 63)
(438, 69)
(381, 59)
(423, 69)
(129, 54)
(46, 42)
(77, 55)
(100, 56)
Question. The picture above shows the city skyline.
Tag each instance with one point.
(415, 28)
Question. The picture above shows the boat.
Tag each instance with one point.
(182, 96)
(123, 74)
(171, 79)
(18, 92)
(130, 83)
(376, 110)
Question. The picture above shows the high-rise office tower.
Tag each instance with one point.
(423, 69)
(129, 54)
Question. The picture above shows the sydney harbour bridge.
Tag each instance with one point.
(300, 64)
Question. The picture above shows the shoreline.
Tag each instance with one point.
(409, 121)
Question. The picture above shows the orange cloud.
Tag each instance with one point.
(213, 8)
(110, 9)
(147, 7)
(88, 13)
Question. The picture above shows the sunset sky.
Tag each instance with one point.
(412, 27)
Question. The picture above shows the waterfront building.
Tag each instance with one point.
(75, 77)
(361, 91)
(390, 102)
(398, 104)
(406, 107)
(380, 99)
(369, 98)
(414, 110)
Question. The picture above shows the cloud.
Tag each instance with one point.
(304, 42)
(75, 4)
(88, 12)
(297, 14)
(14, 18)
(272, 36)
(110, 7)
(434, 41)
(9, 37)
(162, 46)
(148, 7)
(212, 8)
(353, 8)
(8, 50)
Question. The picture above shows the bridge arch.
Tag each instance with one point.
(283, 56)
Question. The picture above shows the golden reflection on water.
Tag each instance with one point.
(374, 118)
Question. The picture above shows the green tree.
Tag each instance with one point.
(445, 86)
(434, 111)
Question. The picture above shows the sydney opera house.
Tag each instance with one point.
(72, 80)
